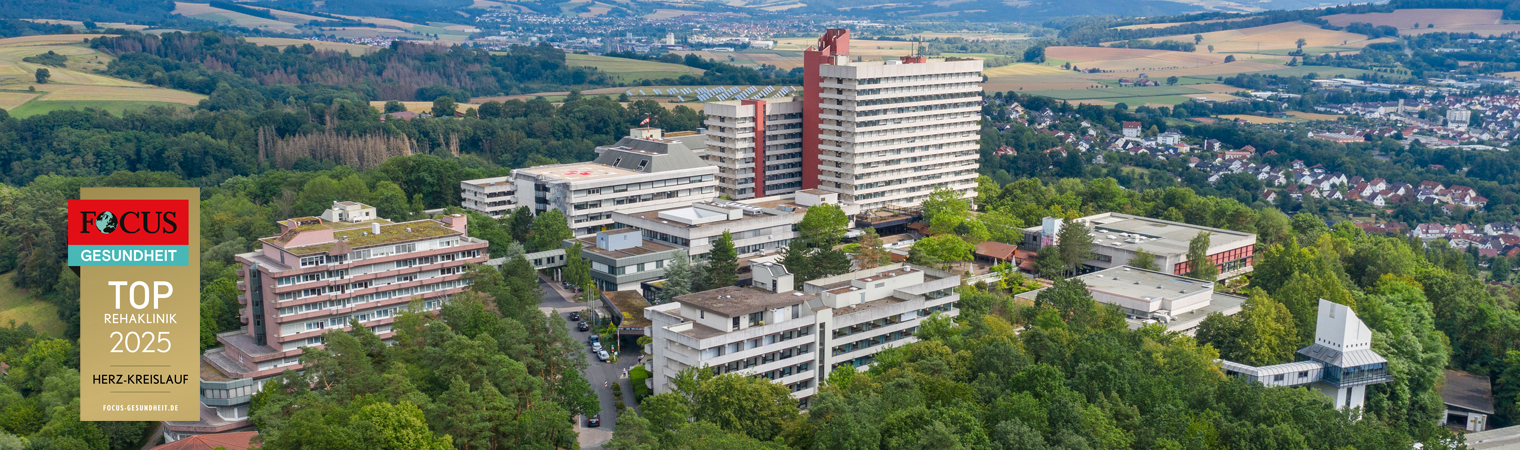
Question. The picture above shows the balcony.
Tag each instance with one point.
(242, 285)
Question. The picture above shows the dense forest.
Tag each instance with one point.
(192, 61)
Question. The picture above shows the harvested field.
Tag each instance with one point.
(1406, 18)
(352, 49)
(1024, 69)
(49, 39)
(1172, 24)
(1515, 74)
(143, 93)
(1130, 59)
(116, 107)
(1274, 37)
(668, 13)
(1254, 119)
(1217, 88)
(204, 11)
(11, 100)
(102, 25)
(1314, 116)
(1213, 96)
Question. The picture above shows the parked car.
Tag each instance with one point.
(594, 421)
(584, 326)
(594, 339)
(603, 355)
(596, 346)
(575, 316)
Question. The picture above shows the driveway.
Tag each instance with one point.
(598, 373)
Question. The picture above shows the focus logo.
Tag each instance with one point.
(128, 232)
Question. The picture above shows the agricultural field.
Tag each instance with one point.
(352, 49)
(379, 105)
(1132, 96)
(1147, 26)
(1278, 39)
(204, 11)
(79, 26)
(625, 69)
(1481, 21)
(1315, 116)
(287, 23)
(74, 86)
(1255, 119)
(1129, 59)
(18, 305)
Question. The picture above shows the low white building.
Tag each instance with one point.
(758, 226)
(642, 172)
(1118, 237)
(796, 338)
(1340, 364)
(1149, 297)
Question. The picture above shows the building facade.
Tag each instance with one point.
(319, 274)
(756, 145)
(642, 172)
(887, 133)
(490, 196)
(795, 338)
(1118, 237)
(621, 259)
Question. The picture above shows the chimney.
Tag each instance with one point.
(374, 228)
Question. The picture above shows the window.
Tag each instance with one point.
(406, 248)
(1278, 377)
(310, 261)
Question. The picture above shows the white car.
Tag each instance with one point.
(596, 346)
(602, 354)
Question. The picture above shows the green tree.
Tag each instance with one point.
(550, 230)
(1273, 227)
(1197, 39)
(871, 253)
(444, 107)
(722, 263)
(1301, 43)
(1073, 244)
(1211, 48)
(678, 279)
(1143, 260)
(755, 407)
(520, 224)
(389, 201)
(947, 206)
(1171, 80)
(823, 226)
(394, 106)
(1262, 334)
(945, 248)
(1229, 58)
(1200, 266)
(577, 268)
(43, 75)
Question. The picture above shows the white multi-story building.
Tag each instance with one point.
(1458, 118)
(887, 133)
(642, 172)
(758, 226)
(490, 196)
(796, 338)
(750, 163)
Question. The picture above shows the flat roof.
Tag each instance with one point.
(1160, 237)
(631, 305)
(489, 181)
(734, 301)
(589, 244)
(358, 235)
(1140, 283)
(581, 171)
(694, 212)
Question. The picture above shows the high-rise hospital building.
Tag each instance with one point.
(878, 133)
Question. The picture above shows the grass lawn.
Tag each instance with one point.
(632, 69)
(116, 107)
(18, 305)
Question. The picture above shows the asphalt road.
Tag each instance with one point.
(597, 372)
